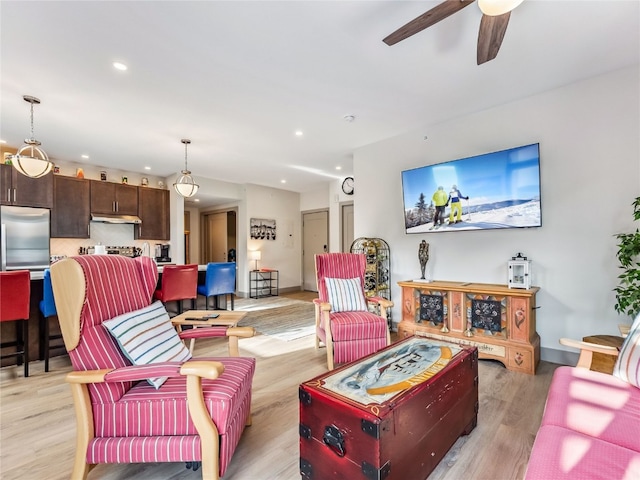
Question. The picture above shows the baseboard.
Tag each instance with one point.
(291, 289)
(280, 291)
(561, 357)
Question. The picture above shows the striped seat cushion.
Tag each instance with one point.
(357, 325)
(356, 334)
(145, 411)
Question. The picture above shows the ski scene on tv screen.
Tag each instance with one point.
(489, 191)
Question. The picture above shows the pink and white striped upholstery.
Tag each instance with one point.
(132, 421)
(351, 335)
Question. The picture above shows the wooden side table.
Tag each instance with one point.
(602, 362)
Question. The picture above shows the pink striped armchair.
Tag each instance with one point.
(350, 331)
(197, 416)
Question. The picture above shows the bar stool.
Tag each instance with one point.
(179, 282)
(47, 310)
(15, 291)
(219, 280)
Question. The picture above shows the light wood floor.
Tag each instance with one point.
(37, 424)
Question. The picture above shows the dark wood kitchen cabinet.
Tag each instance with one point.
(114, 198)
(70, 215)
(153, 210)
(20, 190)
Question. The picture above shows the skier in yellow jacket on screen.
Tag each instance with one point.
(440, 200)
(456, 205)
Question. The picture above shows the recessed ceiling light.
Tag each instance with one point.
(196, 199)
(119, 66)
(283, 181)
(338, 167)
(299, 133)
(3, 141)
(85, 156)
(147, 168)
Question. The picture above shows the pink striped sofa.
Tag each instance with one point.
(197, 415)
(590, 428)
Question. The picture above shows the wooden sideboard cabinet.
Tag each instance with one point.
(500, 321)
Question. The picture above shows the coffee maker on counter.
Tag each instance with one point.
(162, 253)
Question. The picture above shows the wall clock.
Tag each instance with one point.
(347, 186)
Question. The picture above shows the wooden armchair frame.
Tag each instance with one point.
(587, 350)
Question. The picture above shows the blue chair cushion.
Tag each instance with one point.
(220, 279)
(47, 304)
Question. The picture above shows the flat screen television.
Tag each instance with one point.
(490, 191)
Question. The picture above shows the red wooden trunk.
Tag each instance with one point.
(347, 434)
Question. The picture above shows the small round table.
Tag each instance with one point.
(602, 362)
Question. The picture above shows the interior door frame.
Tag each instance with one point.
(203, 233)
(343, 205)
(304, 250)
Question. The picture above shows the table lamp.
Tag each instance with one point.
(255, 255)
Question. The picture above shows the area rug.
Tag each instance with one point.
(286, 323)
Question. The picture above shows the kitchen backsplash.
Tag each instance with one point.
(109, 234)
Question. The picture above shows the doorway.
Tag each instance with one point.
(219, 233)
(315, 239)
(346, 217)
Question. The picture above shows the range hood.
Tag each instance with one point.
(107, 218)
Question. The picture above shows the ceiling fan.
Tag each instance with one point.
(495, 18)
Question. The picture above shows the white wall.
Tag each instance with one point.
(315, 200)
(590, 174)
(283, 254)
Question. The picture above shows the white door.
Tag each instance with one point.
(315, 239)
(347, 227)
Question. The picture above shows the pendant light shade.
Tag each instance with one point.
(185, 185)
(494, 8)
(31, 160)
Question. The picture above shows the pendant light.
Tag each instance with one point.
(185, 185)
(31, 160)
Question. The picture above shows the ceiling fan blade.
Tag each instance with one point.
(492, 30)
(431, 17)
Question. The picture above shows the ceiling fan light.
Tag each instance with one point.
(493, 8)
(31, 160)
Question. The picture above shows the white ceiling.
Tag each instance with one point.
(238, 78)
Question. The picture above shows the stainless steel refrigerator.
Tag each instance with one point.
(24, 238)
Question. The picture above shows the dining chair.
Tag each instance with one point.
(178, 283)
(220, 279)
(47, 310)
(15, 292)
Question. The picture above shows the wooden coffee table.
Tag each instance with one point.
(226, 318)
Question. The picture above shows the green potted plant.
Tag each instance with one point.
(628, 290)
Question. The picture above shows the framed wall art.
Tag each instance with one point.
(262, 229)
